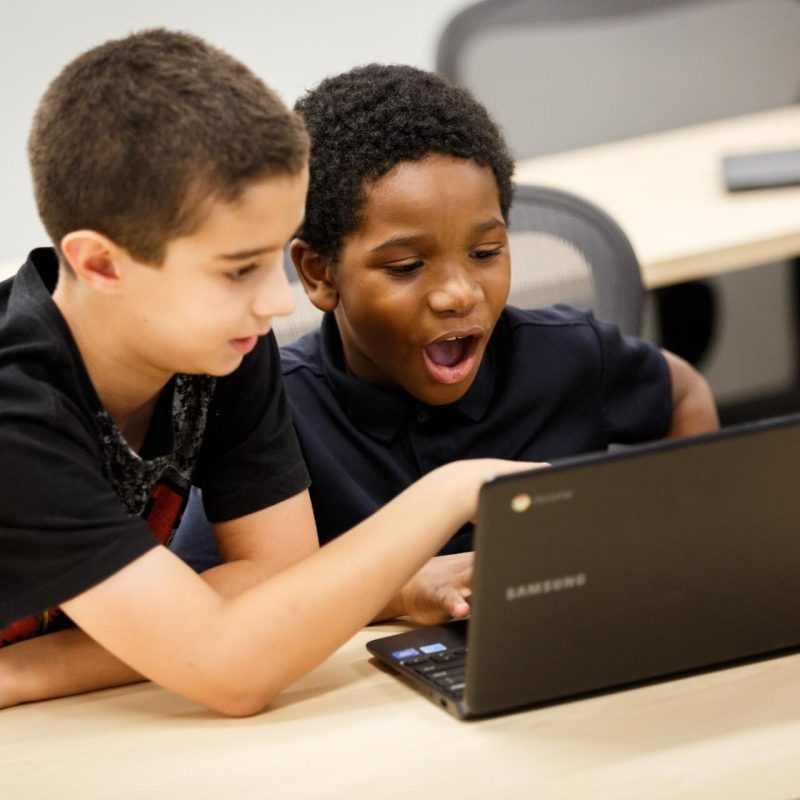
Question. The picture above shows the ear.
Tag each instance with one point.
(316, 274)
(95, 259)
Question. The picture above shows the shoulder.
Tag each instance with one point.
(563, 322)
(524, 327)
(303, 355)
(41, 371)
(27, 310)
(560, 331)
(555, 316)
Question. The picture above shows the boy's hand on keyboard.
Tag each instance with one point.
(440, 591)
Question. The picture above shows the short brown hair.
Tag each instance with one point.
(135, 137)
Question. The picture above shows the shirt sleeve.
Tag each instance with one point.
(636, 386)
(250, 457)
(63, 529)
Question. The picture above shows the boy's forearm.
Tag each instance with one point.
(58, 664)
(70, 662)
(268, 636)
(394, 608)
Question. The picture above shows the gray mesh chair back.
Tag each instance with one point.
(560, 74)
(565, 249)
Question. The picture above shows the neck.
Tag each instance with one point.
(127, 387)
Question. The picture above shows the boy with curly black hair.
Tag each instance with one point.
(418, 360)
(170, 178)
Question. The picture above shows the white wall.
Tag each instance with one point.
(292, 44)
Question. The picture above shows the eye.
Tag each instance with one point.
(403, 270)
(486, 255)
(241, 273)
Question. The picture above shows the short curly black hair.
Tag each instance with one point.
(366, 121)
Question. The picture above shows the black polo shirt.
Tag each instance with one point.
(554, 382)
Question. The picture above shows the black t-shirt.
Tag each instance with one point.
(76, 503)
(553, 383)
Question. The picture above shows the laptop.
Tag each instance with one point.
(609, 570)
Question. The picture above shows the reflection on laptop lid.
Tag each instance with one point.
(609, 570)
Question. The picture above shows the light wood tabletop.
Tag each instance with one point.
(348, 729)
(667, 192)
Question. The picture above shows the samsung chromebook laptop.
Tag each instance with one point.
(609, 570)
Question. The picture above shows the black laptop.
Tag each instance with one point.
(610, 570)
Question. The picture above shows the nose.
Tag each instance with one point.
(456, 292)
(274, 296)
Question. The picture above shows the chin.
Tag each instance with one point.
(217, 369)
(444, 394)
(222, 371)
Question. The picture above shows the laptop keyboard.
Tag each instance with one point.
(445, 670)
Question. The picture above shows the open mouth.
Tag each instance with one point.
(449, 352)
(450, 360)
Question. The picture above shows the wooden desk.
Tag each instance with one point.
(349, 730)
(667, 192)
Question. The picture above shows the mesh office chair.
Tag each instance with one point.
(563, 249)
(561, 74)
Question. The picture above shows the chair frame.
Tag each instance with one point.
(618, 288)
(507, 13)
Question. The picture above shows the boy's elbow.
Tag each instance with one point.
(232, 686)
(694, 411)
(231, 699)
(237, 705)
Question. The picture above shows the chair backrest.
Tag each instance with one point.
(563, 249)
(560, 74)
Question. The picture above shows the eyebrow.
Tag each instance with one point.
(488, 225)
(398, 241)
(241, 254)
(407, 241)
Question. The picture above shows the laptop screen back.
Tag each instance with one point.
(610, 570)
